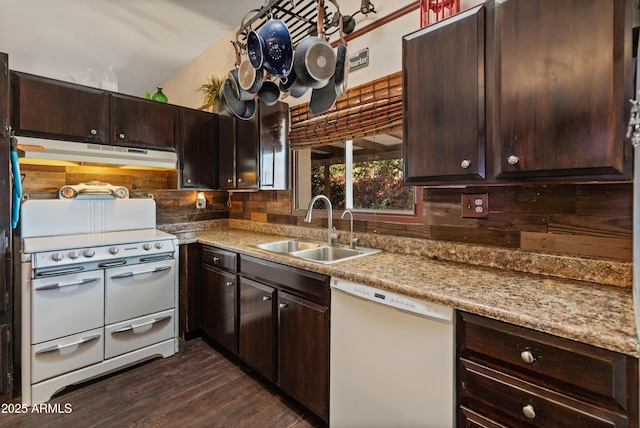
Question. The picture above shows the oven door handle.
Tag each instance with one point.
(134, 326)
(67, 284)
(68, 345)
(128, 274)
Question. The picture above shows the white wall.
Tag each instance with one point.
(384, 43)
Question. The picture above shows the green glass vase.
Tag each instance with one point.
(159, 96)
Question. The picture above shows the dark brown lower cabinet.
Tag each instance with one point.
(257, 327)
(284, 329)
(303, 370)
(219, 317)
(512, 376)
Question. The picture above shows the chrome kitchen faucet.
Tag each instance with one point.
(331, 232)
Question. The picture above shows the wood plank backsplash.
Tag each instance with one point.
(586, 220)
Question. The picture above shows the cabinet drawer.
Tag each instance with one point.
(527, 403)
(310, 285)
(56, 357)
(137, 333)
(595, 370)
(220, 258)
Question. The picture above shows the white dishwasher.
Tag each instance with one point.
(392, 360)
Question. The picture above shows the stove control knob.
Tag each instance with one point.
(114, 250)
(56, 257)
(88, 253)
(74, 255)
(147, 246)
(159, 245)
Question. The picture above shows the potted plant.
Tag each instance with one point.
(209, 91)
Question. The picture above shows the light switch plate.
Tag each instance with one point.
(475, 205)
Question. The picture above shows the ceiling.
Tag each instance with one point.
(146, 41)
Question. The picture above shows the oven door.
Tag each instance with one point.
(66, 304)
(136, 290)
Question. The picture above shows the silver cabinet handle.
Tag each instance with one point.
(67, 284)
(466, 163)
(68, 345)
(93, 132)
(266, 298)
(229, 180)
(216, 259)
(129, 274)
(529, 411)
(229, 283)
(188, 180)
(284, 305)
(512, 160)
(121, 136)
(527, 357)
(240, 180)
(134, 326)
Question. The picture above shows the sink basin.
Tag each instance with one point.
(313, 251)
(288, 246)
(327, 254)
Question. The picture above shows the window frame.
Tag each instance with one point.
(366, 215)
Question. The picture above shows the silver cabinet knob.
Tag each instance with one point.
(229, 283)
(529, 411)
(240, 180)
(266, 298)
(216, 259)
(466, 163)
(512, 160)
(121, 136)
(229, 180)
(527, 357)
(93, 132)
(284, 305)
(188, 180)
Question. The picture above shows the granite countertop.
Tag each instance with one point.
(600, 315)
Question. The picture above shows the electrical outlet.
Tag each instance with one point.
(475, 205)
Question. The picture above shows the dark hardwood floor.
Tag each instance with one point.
(196, 387)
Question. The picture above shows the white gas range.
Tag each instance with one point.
(99, 289)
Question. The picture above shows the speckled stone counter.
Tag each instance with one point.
(588, 312)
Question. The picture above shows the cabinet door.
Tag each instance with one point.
(257, 326)
(198, 149)
(6, 260)
(303, 351)
(227, 155)
(49, 108)
(247, 152)
(136, 122)
(219, 307)
(443, 104)
(190, 304)
(561, 87)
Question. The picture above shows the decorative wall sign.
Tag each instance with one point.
(359, 59)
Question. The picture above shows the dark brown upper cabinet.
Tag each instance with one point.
(48, 108)
(198, 149)
(561, 87)
(239, 153)
(443, 96)
(520, 90)
(137, 122)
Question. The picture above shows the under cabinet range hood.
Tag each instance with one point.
(39, 148)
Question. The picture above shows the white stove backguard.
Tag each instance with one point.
(49, 217)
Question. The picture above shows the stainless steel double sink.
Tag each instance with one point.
(316, 252)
